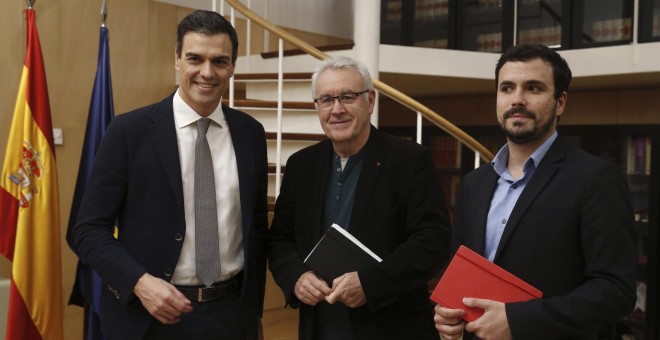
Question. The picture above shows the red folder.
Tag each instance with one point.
(471, 275)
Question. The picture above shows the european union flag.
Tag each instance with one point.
(88, 286)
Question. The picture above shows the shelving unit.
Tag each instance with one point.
(488, 25)
(602, 23)
(543, 22)
(649, 20)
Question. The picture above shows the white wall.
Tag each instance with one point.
(328, 17)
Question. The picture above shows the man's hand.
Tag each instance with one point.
(449, 322)
(161, 299)
(347, 289)
(310, 289)
(493, 325)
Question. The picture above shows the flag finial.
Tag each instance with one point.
(30, 3)
(104, 13)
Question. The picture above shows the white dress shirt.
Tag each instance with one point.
(227, 192)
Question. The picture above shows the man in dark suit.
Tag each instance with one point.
(551, 214)
(143, 179)
(383, 190)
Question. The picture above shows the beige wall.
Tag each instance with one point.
(142, 39)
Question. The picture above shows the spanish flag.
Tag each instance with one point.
(29, 207)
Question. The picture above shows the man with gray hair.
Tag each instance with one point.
(381, 189)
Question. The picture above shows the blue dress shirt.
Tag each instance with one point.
(508, 191)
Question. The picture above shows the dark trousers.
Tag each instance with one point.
(217, 319)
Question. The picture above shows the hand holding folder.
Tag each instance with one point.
(471, 275)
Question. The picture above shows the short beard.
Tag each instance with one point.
(535, 133)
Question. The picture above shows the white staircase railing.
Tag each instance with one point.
(481, 153)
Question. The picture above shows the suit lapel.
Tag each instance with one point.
(320, 169)
(163, 135)
(543, 174)
(372, 164)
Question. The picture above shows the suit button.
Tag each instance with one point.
(168, 272)
(178, 237)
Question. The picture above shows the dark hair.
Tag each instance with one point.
(561, 72)
(209, 23)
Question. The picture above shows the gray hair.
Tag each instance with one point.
(341, 62)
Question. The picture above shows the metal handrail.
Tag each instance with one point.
(389, 91)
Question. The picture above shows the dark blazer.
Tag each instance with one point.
(571, 234)
(398, 212)
(136, 181)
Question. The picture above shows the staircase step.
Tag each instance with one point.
(246, 77)
(271, 168)
(297, 51)
(243, 103)
(297, 136)
(271, 203)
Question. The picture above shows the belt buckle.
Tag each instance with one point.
(200, 295)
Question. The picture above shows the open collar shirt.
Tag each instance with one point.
(507, 192)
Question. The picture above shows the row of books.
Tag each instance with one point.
(393, 13)
(656, 26)
(611, 30)
(547, 36)
(637, 153)
(424, 10)
(490, 3)
(491, 42)
(429, 9)
(446, 151)
(432, 43)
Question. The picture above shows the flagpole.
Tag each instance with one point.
(104, 12)
(88, 287)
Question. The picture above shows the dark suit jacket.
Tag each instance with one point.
(398, 212)
(136, 181)
(571, 234)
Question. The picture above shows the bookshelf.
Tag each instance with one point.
(488, 25)
(420, 23)
(543, 22)
(449, 157)
(602, 23)
(649, 20)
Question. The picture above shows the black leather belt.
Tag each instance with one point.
(217, 291)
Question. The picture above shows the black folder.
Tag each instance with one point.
(338, 252)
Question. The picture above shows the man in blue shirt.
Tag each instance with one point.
(551, 214)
